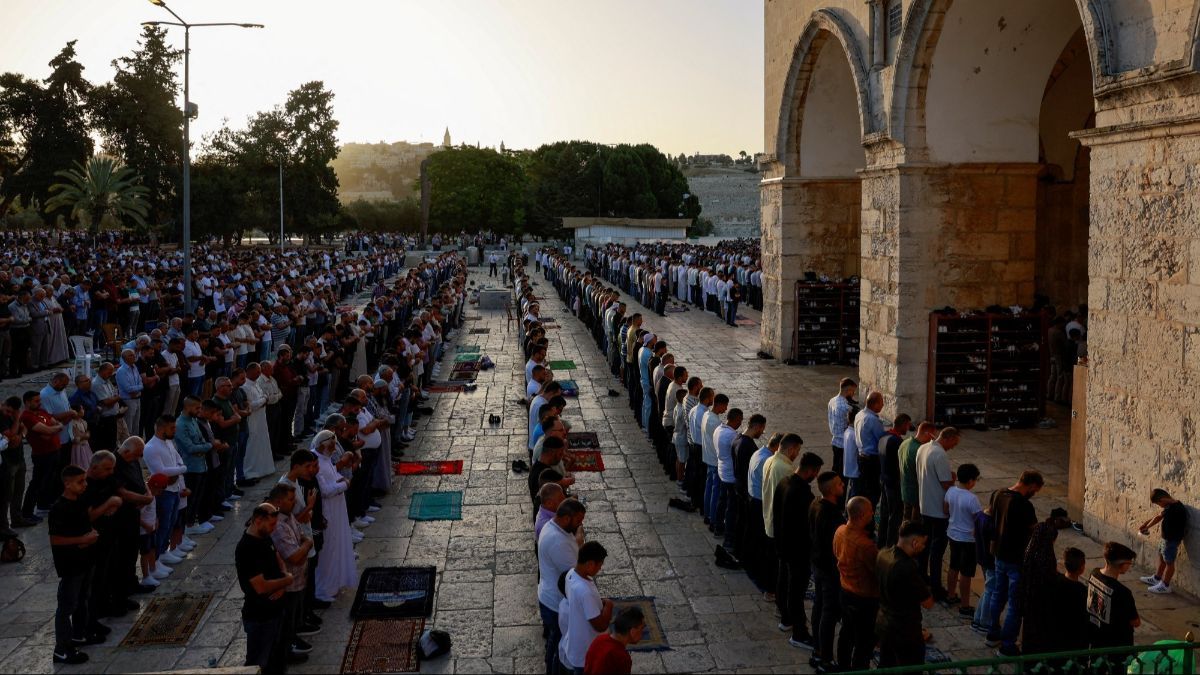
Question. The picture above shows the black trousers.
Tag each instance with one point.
(930, 560)
(857, 640)
(694, 475)
(789, 595)
(839, 462)
(19, 358)
(891, 514)
(900, 644)
(827, 611)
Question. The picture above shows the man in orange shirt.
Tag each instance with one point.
(856, 553)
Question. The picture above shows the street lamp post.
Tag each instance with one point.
(188, 114)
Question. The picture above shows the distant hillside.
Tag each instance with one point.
(729, 197)
(380, 171)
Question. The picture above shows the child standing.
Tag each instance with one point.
(81, 447)
(71, 539)
(152, 571)
(1174, 526)
(961, 506)
(1110, 605)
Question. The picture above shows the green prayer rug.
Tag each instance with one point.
(562, 365)
(436, 506)
(467, 349)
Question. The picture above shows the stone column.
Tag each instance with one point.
(1143, 394)
(808, 224)
(935, 235)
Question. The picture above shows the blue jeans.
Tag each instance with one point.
(983, 611)
(550, 627)
(727, 510)
(167, 507)
(711, 494)
(1005, 591)
(647, 405)
(195, 386)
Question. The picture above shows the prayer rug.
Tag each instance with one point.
(467, 358)
(480, 331)
(467, 349)
(446, 388)
(562, 365)
(453, 466)
(466, 367)
(676, 309)
(168, 620)
(582, 440)
(932, 655)
(472, 318)
(569, 387)
(584, 460)
(383, 646)
(436, 506)
(394, 592)
(743, 321)
(464, 377)
(654, 639)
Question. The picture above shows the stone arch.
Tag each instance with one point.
(824, 25)
(923, 25)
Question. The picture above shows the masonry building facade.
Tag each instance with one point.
(966, 153)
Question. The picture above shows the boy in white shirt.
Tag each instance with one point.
(961, 507)
(588, 614)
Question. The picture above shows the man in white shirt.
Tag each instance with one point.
(712, 488)
(175, 366)
(162, 457)
(557, 552)
(589, 615)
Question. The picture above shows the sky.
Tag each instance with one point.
(684, 75)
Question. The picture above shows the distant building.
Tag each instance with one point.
(729, 197)
(626, 230)
(381, 171)
(446, 138)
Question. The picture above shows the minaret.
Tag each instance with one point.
(446, 138)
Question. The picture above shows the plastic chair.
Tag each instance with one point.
(85, 358)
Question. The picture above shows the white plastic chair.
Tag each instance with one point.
(84, 355)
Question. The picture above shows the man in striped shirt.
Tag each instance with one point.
(837, 411)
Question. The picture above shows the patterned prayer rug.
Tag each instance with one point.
(480, 331)
(446, 388)
(654, 639)
(466, 367)
(743, 321)
(562, 365)
(470, 357)
(436, 506)
(383, 646)
(395, 592)
(467, 349)
(453, 466)
(468, 376)
(584, 460)
(168, 620)
(582, 440)
(569, 387)
(676, 309)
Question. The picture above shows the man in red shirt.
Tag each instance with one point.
(607, 653)
(42, 435)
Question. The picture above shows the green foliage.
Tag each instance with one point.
(43, 128)
(103, 188)
(137, 117)
(21, 217)
(476, 189)
(386, 216)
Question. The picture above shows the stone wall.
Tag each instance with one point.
(809, 225)
(730, 199)
(1144, 332)
(1062, 238)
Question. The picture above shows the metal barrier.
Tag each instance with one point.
(1169, 657)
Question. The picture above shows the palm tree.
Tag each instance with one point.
(104, 187)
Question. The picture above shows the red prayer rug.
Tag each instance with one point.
(584, 460)
(453, 466)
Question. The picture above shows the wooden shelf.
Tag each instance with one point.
(827, 323)
(1000, 357)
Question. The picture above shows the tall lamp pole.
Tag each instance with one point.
(188, 113)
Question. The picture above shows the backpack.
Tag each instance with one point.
(13, 550)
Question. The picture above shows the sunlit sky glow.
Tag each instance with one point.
(684, 75)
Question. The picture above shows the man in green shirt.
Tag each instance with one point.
(909, 483)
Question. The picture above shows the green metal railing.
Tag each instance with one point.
(1169, 657)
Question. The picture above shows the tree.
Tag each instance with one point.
(43, 128)
(101, 188)
(137, 117)
(477, 188)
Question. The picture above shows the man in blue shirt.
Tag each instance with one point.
(129, 386)
(868, 429)
(55, 402)
(836, 412)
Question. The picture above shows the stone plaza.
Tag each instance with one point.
(715, 620)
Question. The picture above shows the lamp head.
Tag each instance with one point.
(158, 3)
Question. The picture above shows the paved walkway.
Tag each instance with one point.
(486, 598)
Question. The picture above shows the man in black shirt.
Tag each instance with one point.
(263, 579)
(131, 488)
(103, 489)
(1174, 527)
(790, 505)
(1014, 518)
(1113, 612)
(750, 524)
(1071, 619)
(891, 506)
(824, 518)
(902, 593)
(551, 457)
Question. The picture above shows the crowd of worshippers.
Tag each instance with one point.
(714, 279)
(873, 538)
(123, 508)
(51, 291)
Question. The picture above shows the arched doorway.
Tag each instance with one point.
(811, 212)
